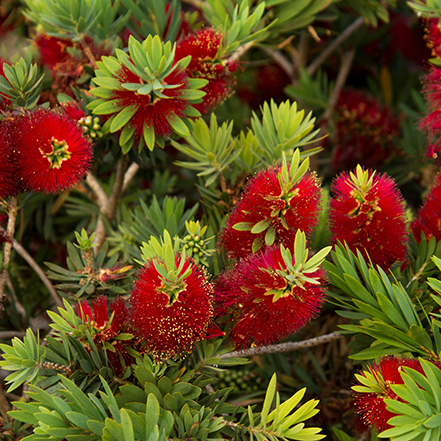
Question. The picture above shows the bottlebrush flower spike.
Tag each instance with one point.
(365, 131)
(204, 48)
(271, 294)
(52, 152)
(9, 178)
(428, 219)
(275, 204)
(112, 333)
(433, 36)
(374, 386)
(171, 302)
(146, 93)
(367, 212)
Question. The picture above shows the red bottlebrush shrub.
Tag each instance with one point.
(105, 329)
(52, 152)
(269, 296)
(374, 386)
(203, 46)
(367, 212)
(428, 219)
(170, 317)
(274, 205)
(365, 130)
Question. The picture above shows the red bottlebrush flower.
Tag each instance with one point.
(378, 378)
(268, 298)
(433, 36)
(170, 317)
(104, 329)
(52, 50)
(52, 152)
(367, 212)
(203, 46)
(364, 131)
(9, 179)
(153, 112)
(431, 123)
(271, 210)
(428, 219)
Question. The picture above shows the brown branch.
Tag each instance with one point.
(97, 189)
(130, 174)
(8, 335)
(343, 73)
(240, 51)
(283, 347)
(31, 262)
(282, 61)
(335, 44)
(10, 230)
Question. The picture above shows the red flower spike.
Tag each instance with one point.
(374, 386)
(428, 219)
(365, 131)
(367, 212)
(153, 113)
(84, 311)
(9, 178)
(52, 50)
(272, 208)
(433, 36)
(171, 317)
(119, 309)
(265, 301)
(100, 311)
(53, 154)
(203, 46)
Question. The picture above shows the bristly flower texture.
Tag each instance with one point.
(431, 123)
(106, 330)
(367, 212)
(365, 131)
(170, 316)
(51, 150)
(206, 63)
(428, 219)
(146, 92)
(268, 296)
(374, 386)
(275, 204)
(9, 181)
(433, 36)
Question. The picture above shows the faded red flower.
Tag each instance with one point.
(365, 131)
(265, 302)
(428, 219)
(379, 378)
(105, 329)
(52, 50)
(171, 318)
(271, 211)
(52, 152)
(153, 112)
(367, 212)
(206, 63)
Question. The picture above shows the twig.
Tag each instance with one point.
(7, 335)
(283, 347)
(240, 51)
(343, 73)
(335, 44)
(282, 61)
(130, 174)
(40, 273)
(97, 189)
(10, 230)
(109, 209)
